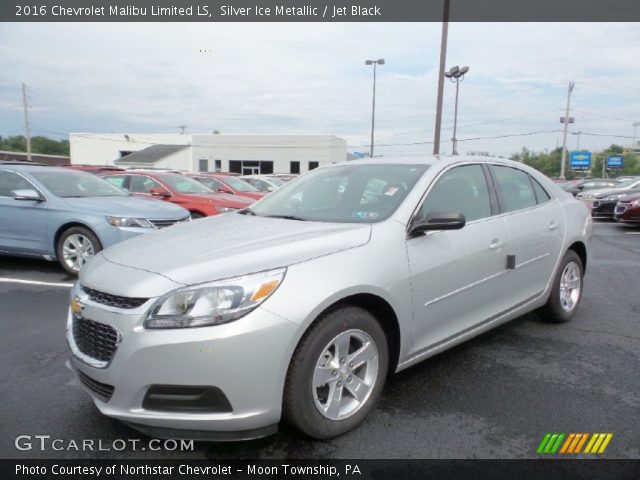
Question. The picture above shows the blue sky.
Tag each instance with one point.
(311, 78)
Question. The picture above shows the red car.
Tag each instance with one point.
(228, 184)
(179, 189)
(628, 209)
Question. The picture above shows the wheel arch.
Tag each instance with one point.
(66, 226)
(380, 309)
(581, 250)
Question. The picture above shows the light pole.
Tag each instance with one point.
(566, 120)
(443, 60)
(635, 133)
(375, 63)
(456, 74)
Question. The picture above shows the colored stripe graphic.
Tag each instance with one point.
(572, 443)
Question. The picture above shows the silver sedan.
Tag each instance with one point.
(298, 307)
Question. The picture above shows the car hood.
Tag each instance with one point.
(233, 244)
(127, 207)
(221, 199)
(631, 197)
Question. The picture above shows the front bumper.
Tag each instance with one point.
(246, 359)
(603, 208)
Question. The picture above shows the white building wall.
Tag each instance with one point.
(104, 149)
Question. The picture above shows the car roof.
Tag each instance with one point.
(20, 167)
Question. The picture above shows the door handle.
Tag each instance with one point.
(553, 225)
(496, 244)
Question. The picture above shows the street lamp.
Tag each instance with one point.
(375, 63)
(456, 74)
(635, 126)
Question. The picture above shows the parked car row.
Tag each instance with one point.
(69, 214)
(618, 203)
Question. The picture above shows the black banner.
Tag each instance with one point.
(318, 10)
(321, 469)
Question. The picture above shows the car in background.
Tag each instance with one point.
(298, 307)
(95, 169)
(628, 209)
(285, 177)
(619, 188)
(604, 204)
(264, 183)
(69, 216)
(228, 184)
(179, 189)
(576, 186)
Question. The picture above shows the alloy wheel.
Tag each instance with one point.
(570, 286)
(77, 249)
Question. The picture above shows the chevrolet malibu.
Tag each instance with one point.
(298, 307)
(67, 215)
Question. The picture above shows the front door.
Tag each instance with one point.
(22, 222)
(454, 274)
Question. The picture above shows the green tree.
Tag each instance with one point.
(39, 144)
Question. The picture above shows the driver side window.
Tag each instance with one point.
(9, 182)
(461, 189)
(142, 184)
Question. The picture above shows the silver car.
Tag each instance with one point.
(298, 307)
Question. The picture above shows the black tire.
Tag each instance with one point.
(85, 233)
(554, 311)
(299, 408)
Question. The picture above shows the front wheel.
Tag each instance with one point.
(566, 291)
(337, 373)
(76, 246)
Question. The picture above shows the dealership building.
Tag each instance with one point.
(245, 154)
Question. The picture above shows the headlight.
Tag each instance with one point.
(227, 209)
(213, 303)
(129, 222)
(636, 203)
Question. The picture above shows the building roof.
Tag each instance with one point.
(150, 154)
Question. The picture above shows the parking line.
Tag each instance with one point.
(35, 282)
(632, 233)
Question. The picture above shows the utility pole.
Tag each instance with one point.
(443, 60)
(375, 63)
(635, 134)
(566, 120)
(26, 120)
(182, 128)
(578, 143)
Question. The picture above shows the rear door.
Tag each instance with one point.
(536, 231)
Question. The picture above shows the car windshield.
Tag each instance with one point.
(183, 184)
(348, 194)
(275, 181)
(626, 183)
(239, 185)
(70, 184)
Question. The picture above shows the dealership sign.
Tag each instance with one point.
(615, 161)
(580, 160)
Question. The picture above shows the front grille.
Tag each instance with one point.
(96, 340)
(167, 223)
(102, 390)
(113, 300)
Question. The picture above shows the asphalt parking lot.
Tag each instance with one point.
(493, 397)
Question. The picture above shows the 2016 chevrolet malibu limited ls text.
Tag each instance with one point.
(300, 305)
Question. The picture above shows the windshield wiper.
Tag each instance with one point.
(247, 211)
(287, 217)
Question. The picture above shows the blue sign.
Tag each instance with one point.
(580, 160)
(615, 161)
(360, 155)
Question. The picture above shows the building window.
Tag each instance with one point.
(250, 167)
(294, 167)
(218, 165)
(203, 165)
(313, 165)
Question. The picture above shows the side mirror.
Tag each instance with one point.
(159, 192)
(437, 221)
(271, 189)
(224, 190)
(27, 195)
